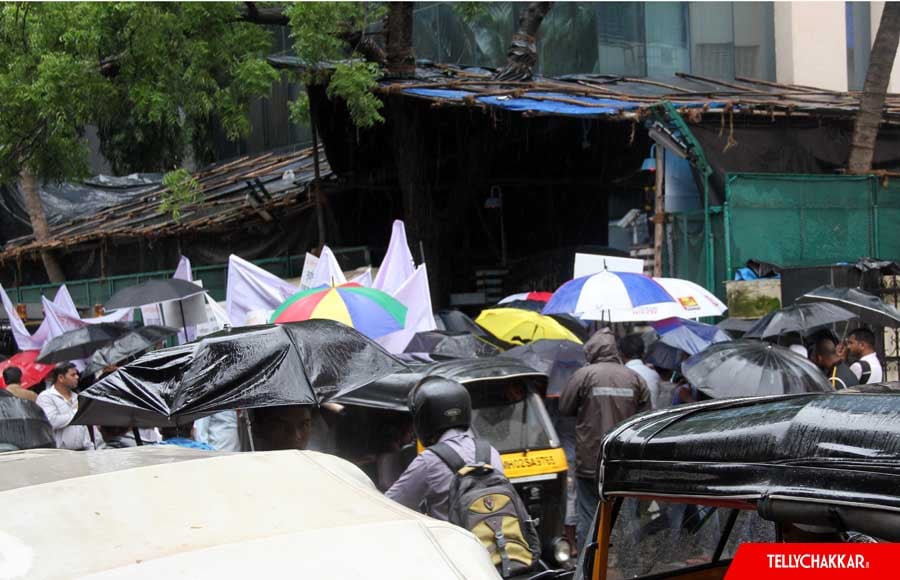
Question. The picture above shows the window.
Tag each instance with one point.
(859, 43)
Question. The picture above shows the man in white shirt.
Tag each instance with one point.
(867, 368)
(632, 350)
(60, 402)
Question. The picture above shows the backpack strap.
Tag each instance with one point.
(450, 457)
(866, 371)
(482, 451)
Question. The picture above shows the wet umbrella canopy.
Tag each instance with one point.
(128, 345)
(749, 368)
(800, 318)
(81, 342)
(559, 359)
(152, 292)
(302, 363)
(869, 308)
(451, 344)
(23, 424)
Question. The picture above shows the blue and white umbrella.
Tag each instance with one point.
(614, 297)
(688, 335)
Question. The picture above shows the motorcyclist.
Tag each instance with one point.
(442, 411)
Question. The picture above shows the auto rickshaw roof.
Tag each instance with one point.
(830, 448)
(143, 514)
(392, 391)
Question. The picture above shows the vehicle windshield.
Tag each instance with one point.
(512, 417)
(653, 537)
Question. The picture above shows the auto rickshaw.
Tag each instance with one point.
(375, 432)
(682, 488)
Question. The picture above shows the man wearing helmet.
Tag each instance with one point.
(442, 412)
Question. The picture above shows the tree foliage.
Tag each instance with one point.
(152, 76)
(326, 38)
(181, 189)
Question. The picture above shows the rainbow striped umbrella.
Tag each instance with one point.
(371, 312)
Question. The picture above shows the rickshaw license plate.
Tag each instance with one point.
(533, 462)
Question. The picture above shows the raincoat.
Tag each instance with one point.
(600, 395)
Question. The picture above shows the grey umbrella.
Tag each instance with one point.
(870, 308)
(81, 342)
(127, 346)
(558, 358)
(800, 318)
(152, 292)
(751, 368)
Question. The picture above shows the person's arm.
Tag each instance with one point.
(58, 419)
(856, 369)
(570, 397)
(412, 486)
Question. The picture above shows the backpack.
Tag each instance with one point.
(484, 502)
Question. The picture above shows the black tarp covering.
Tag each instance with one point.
(23, 424)
(840, 447)
(786, 145)
(302, 363)
(66, 201)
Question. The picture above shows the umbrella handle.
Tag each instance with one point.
(245, 418)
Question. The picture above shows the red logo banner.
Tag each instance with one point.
(814, 561)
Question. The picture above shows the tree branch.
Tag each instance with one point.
(522, 55)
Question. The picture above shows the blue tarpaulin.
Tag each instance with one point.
(545, 102)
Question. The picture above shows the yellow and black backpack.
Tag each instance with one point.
(483, 501)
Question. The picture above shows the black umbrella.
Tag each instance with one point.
(457, 321)
(736, 326)
(559, 359)
(451, 344)
(751, 368)
(663, 356)
(152, 292)
(870, 308)
(127, 346)
(23, 424)
(302, 363)
(799, 318)
(81, 342)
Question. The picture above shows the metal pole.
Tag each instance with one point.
(659, 215)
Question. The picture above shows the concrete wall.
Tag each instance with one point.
(811, 44)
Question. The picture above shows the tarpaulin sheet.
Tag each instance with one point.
(533, 101)
(302, 363)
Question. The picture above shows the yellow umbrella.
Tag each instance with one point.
(522, 326)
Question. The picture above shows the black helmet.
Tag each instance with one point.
(438, 404)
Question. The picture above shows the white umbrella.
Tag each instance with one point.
(614, 297)
(697, 301)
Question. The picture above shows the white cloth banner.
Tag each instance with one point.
(328, 271)
(251, 288)
(415, 294)
(398, 265)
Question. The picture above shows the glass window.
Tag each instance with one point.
(511, 417)
(620, 39)
(665, 31)
(754, 40)
(859, 43)
(567, 41)
(654, 537)
(712, 39)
